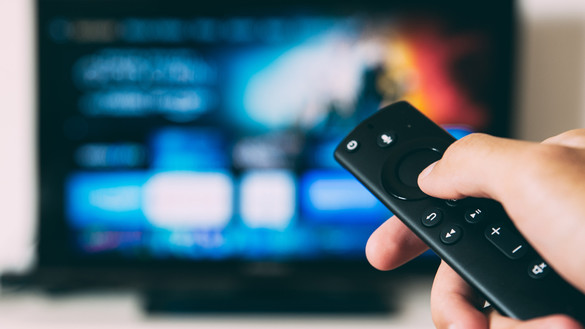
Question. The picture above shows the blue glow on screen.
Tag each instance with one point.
(337, 197)
(188, 149)
(458, 131)
(153, 211)
(319, 154)
(106, 200)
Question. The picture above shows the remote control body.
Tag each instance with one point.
(387, 151)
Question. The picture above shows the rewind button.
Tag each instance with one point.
(451, 234)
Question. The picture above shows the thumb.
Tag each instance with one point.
(478, 165)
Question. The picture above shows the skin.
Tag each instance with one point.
(542, 188)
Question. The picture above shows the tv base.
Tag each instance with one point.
(255, 302)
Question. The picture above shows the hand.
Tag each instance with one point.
(542, 188)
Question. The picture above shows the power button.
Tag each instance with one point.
(352, 145)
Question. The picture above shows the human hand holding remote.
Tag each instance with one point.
(542, 188)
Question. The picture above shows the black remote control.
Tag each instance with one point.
(386, 153)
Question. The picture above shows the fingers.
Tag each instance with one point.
(520, 175)
(540, 186)
(479, 165)
(392, 245)
(497, 321)
(455, 305)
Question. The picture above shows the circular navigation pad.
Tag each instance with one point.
(400, 173)
(414, 163)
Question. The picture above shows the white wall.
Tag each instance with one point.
(17, 213)
(551, 95)
(551, 99)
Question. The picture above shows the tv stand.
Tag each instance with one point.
(270, 302)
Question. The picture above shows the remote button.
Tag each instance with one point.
(538, 269)
(414, 163)
(509, 243)
(452, 202)
(408, 159)
(352, 145)
(386, 139)
(451, 234)
(432, 217)
(474, 215)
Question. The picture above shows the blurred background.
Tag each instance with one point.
(169, 163)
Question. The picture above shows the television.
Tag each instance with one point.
(186, 146)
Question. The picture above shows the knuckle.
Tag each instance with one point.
(570, 134)
(461, 147)
(573, 138)
(563, 322)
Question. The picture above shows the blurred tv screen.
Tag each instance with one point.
(191, 132)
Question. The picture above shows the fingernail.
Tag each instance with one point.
(453, 326)
(426, 172)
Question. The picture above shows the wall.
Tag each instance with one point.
(551, 80)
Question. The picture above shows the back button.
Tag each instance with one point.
(432, 217)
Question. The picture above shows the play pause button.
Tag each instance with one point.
(451, 234)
